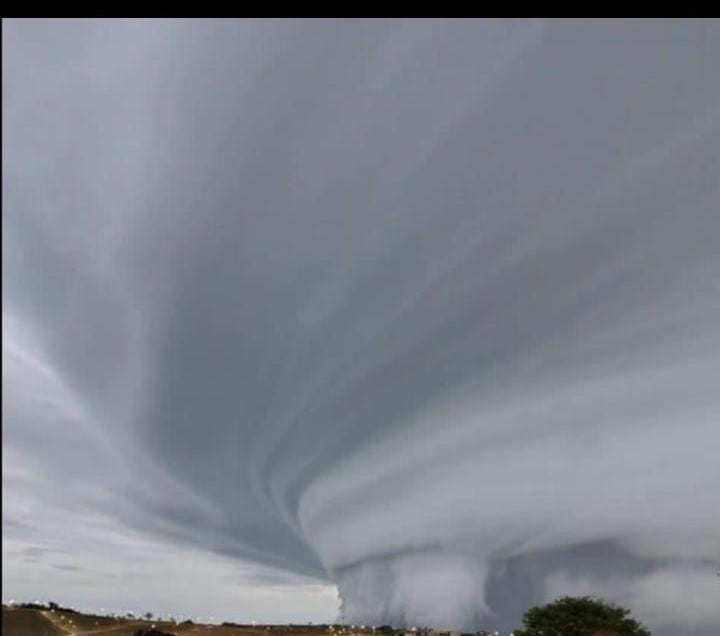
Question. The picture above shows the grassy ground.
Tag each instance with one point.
(31, 622)
(22, 622)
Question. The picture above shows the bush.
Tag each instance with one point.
(582, 616)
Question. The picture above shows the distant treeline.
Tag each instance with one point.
(336, 627)
(45, 606)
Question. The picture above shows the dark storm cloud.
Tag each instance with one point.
(426, 309)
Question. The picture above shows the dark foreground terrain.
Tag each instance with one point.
(44, 622)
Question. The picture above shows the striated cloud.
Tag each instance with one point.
(426, 312)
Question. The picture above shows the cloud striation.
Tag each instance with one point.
(426, 310)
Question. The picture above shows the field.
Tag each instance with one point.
(35, 622)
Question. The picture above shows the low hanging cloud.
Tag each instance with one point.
(428, 311)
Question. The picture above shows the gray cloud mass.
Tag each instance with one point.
(427, 311)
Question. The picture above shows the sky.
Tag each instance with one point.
(410, 322)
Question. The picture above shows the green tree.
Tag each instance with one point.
(583, 616)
